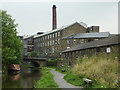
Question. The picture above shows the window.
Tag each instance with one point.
(53, 50)
(58, 41)
(37, 45)
(89, 40)
(43, 44)
(48, 36)
(95, 39)
(53, 42)
(50, 43)
(90, 52)
(68, 41)
(45, 51)
(98, 49)
(74, 41)
(108, 50)
(56, 49)
(82, 40)
(80, 53)
(30, 48)
(68, 47)
(50, 50)
(53, 35)
(58, 33)
(45, 37)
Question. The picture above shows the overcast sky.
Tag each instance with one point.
(33, 17)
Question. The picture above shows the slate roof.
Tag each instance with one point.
(88, 35)
(99, 43)
(29, 36)
(26, 37)
(61, 28)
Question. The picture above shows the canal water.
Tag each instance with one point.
(25, 79)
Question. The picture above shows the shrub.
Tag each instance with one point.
(51, 62)
(33, 54)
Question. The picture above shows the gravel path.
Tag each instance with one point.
(58, 77)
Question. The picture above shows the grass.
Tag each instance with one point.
(102, 69)
(77, 80)
(60, 70)
(46, 81)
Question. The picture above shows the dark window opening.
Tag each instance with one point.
(89, 40)
(98, 49)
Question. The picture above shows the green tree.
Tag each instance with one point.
(11, 44)
(33, 54)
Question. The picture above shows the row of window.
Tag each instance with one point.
(82, 41)
(51, 50)
(87, 52)
(57, 34)
(49, 43)
(75, 41)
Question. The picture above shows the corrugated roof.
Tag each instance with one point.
(99, 43)
(61, 28)
(88, 35)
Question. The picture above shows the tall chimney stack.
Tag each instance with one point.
(54, 19)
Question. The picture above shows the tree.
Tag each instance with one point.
(11, 44)
(33, 54)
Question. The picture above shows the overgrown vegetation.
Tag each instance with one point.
(102, 69)
(47, 80)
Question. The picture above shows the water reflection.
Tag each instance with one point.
(14, 77)
(24, 79)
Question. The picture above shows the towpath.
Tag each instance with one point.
(58, 77)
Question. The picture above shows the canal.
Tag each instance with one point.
(25, 79)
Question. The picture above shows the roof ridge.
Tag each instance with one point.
(57, 29)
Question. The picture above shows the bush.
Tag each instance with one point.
(51, 62)
(33, 54)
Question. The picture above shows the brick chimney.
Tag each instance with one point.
(54, 19)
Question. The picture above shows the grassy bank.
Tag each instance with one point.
(47, 80)
(102, 69)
